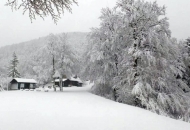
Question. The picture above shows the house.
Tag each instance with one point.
(20, 83)
(65, 82)
(69, 82)
(75, 81)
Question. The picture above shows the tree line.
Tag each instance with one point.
(55, 57)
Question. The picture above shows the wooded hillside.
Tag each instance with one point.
(34, 58)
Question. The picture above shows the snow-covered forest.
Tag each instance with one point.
(131, 58)
(35, 57)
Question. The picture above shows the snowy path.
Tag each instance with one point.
(76, 109)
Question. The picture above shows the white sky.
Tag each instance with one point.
(16, 27)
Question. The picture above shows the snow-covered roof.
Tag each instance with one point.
(21, 80)
(76, 79)
(72, 79)
(57, 80)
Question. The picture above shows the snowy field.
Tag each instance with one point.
(76, 109)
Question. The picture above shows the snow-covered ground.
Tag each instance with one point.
(76, 109)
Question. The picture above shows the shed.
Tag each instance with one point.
(70, 82)
(65, 82)
(20, 83)
(75, 81)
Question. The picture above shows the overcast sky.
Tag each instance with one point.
(16, 27)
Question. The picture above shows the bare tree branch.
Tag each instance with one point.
(42, 8)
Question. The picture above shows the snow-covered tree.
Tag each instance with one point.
(42, 8)
(134, 58)
(103, 52)
(148, 73)
(52, 41)
(13, 70)
(179, 63)
(184, 48)
(65, 58)
(4, 81)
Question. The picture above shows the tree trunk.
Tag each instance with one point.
(135, 64)
(53, 60)
(54, 87)
(61, 83)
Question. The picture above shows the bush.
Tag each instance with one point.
(103, 90)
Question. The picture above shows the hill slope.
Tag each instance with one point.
(76, 108)
(33, 55)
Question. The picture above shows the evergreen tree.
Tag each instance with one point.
(13, 70)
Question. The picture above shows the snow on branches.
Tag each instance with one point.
(42, 8)
(13, 70)
(132, 58)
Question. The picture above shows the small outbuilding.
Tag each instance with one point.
(65, 82)
(75, 81)
(69, 82)
(20, 83)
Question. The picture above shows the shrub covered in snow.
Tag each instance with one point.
(103, 90)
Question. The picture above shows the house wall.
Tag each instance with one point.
(68, 83)
(14, 86)
(57, 83)
(21, 85)
(74, 83)
(65, 83)
(32, 86)
(18, 86)
(79, 84)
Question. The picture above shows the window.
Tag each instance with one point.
(21, 86)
